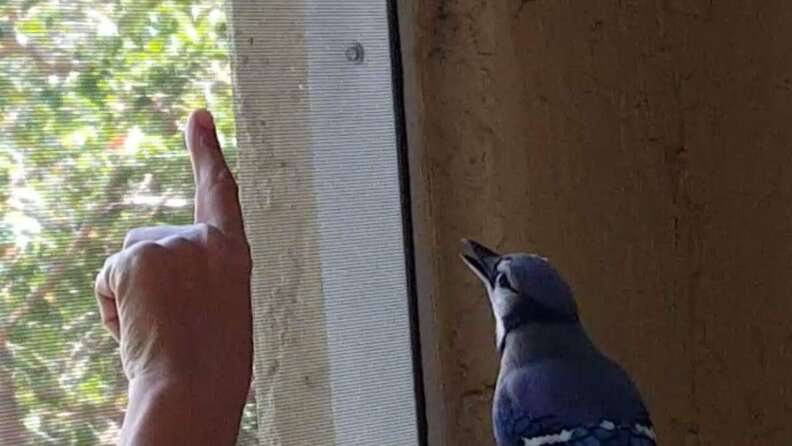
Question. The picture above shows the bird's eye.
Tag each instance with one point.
(503, 281)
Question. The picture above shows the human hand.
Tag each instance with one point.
(177, 299)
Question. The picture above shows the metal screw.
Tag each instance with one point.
(355, 53)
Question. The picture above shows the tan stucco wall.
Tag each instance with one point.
(292, 367)
(645, 147)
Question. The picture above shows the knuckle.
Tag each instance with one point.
(184, 245)
(207, 230)
(145, 255)
(179, 242)
(130, 237)
(223, 181)
(97, 285)
(101, 283)
(224, 176)
(210, 234)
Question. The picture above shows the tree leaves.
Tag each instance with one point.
(87, 77)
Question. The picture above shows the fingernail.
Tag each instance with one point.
(204, 119)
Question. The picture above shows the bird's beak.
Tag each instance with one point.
(480, 259)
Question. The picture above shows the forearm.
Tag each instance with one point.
(176, 413)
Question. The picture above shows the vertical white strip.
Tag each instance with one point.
(360, 223)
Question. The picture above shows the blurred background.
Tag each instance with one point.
(93, 97)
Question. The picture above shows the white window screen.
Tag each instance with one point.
(93, 96)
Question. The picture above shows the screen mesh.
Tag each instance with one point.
(320, 181)
(94, 97)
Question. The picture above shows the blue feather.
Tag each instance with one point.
(576, 395)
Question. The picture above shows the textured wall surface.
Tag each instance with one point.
(644, 146)
(292, 367)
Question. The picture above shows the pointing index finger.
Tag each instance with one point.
(216, 192)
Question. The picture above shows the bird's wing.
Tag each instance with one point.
(605, 433)
(516, 430)
(547, 406)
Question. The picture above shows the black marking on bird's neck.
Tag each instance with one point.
(529, 311)
(533, 341)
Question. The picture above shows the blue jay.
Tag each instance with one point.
(554, 386)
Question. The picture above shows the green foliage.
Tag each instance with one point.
(94, 95)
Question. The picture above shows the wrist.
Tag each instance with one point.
(182, 410)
